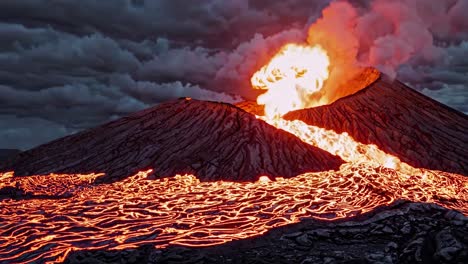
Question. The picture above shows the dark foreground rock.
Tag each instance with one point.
(404, 233)
(213, 141)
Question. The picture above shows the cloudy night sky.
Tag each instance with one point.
(68, 65)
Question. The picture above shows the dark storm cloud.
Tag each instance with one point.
(66, 65)
(453, 95)
(150, 92)
(24, 132)
(203, 21)
(218, 70)
(445, 79)
(87, 104)
(93, 53)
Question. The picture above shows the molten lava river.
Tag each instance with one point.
(70, 212)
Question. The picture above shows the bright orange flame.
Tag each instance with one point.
(291, 78)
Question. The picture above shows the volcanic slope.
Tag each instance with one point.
(400, 121)
(213, 141)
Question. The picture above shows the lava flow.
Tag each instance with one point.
(184, 211)
(60, 213)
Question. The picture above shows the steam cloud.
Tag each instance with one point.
(65, 66)
(391, 33)
(387, 35)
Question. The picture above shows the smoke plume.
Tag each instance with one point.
(385, 35)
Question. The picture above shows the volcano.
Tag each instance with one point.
(399, 120)
(378, 169)
(213, 141)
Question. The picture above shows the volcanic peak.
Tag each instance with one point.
(214, 141)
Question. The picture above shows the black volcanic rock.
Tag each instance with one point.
(401, 121)
(214, 141)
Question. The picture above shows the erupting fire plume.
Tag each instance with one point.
(291, 79)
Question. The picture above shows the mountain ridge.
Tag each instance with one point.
(214, 141)
(399, 120)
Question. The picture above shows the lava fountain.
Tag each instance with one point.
(291, 79)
